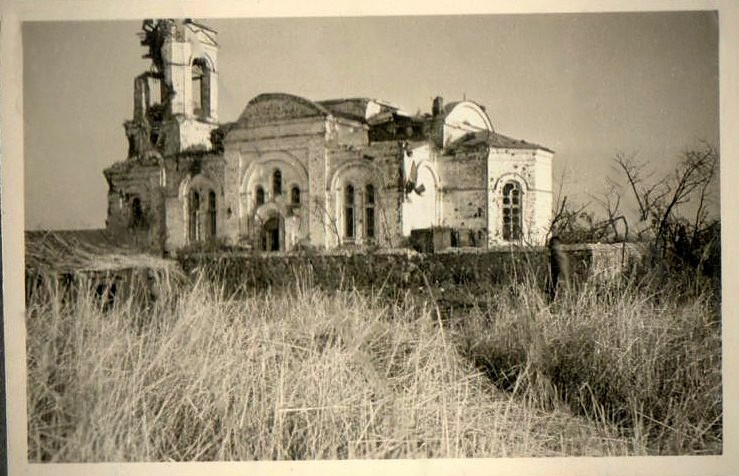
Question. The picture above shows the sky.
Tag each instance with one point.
(585, 85)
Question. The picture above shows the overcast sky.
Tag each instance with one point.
(584, 85)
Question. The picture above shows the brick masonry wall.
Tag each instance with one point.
(464, 194)
(140, 180)
(158, 182)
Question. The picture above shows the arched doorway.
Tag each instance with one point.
(271, 236)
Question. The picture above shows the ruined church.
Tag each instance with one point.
(292, 171)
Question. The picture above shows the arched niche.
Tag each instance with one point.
(422, 202)
(261, 173)
(356, 188)
(201, 70)
(201, 198)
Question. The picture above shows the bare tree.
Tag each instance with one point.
(572, 223)
(610, 203)
(575, 223)
(325, 217)
(659, 199)
(566, 220)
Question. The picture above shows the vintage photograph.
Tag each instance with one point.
(372, 237)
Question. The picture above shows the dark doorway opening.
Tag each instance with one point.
(270, 239)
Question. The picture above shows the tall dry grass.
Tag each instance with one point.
(300, 374)
(642, 353)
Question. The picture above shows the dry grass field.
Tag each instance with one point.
(309, 374)
(629, 368)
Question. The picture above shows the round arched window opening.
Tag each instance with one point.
(277, 182)
(194, 231)
(212, 214)
(200, 88)
(369, 211)
(512, 216)
(138, 219)
(295, 196)
(349, 211)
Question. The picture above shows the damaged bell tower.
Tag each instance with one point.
(164, 191)
(175, 102)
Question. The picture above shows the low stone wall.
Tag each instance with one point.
(143, 285)
(393, 270)
(607, 261)
(390, 271)
(54, 266)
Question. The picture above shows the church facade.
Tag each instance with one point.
(293, 172)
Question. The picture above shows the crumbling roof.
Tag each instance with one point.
(494, 140)
(196, 28)
(356, 109)
(351, 108)
(201, 26)
(309, 108)
(499, 141)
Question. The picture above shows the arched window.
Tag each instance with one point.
(295, 195)
(512, 216)
(137, 214)
(349, 215)
(212, 214)
(194, 225)
(259, 196)
(200, 88)
(277, 182)
(369, 212)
